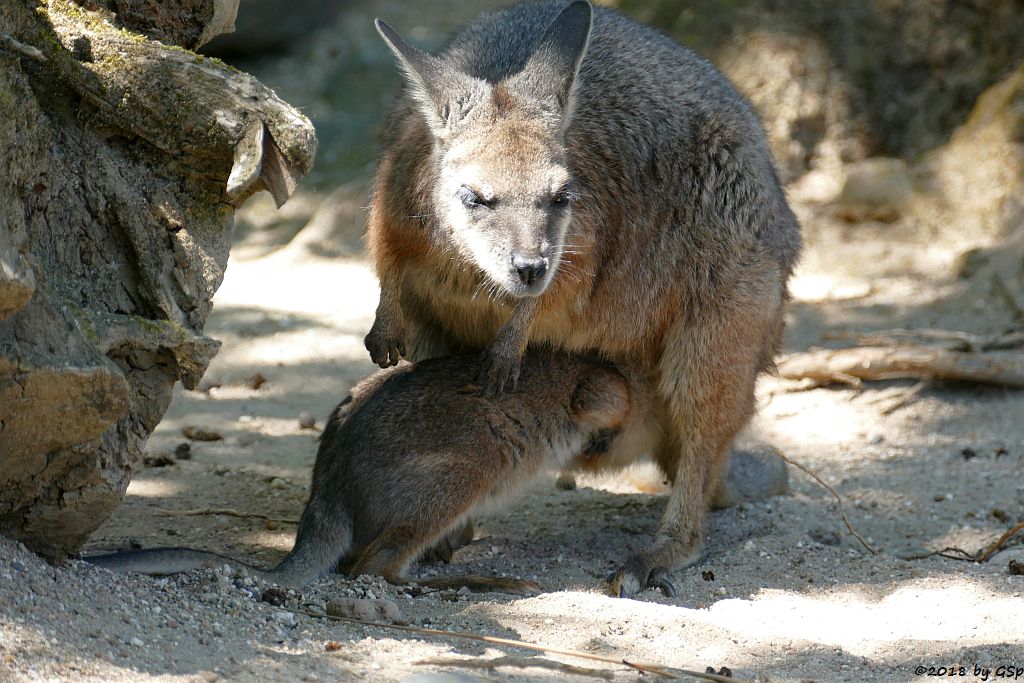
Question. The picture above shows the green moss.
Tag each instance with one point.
(84, 320)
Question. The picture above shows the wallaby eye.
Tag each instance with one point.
(470, 198)
(562, 197)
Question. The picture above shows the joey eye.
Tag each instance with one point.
(470, 198)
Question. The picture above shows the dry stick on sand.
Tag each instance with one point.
(657, 670)
(905, 398)
(983, 555)
(519, 663)
(839, 501)
(227, 512)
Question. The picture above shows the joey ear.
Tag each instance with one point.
(602, 397)
(445, 95)
(550, 73)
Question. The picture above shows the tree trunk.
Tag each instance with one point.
(121, 163)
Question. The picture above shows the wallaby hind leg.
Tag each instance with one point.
(443, 550)
(700, 418)
(390, 553)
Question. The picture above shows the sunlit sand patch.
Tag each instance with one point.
(149, 488)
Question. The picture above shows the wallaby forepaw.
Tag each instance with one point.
(385, 344)
(498, 372)
(637, 576)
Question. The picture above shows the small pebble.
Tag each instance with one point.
(284, 618)
(366, 610)
(201, 434)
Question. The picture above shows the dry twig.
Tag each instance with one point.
(839, 501)
(227, 512)
(664, 672)
(520, 663)
(906, 397)
(982, 555)
(988, 552)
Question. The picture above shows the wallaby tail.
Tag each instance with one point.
(324, 536)
(163, 561)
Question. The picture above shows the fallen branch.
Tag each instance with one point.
(826, 366)
(951, 340)
(227, 512)
(664, 672)
(26, 50)
(839, 501)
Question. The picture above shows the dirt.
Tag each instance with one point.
(794, 595)
(782, 592)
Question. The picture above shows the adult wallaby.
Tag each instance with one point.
(567, 176)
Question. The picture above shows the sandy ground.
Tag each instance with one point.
(783, 591)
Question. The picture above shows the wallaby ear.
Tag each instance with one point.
(445, 95)
(550, 73)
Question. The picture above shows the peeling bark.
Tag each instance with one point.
(115, 224)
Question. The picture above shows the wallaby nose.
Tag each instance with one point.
(530, 268)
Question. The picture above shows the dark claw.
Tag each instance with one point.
(667, 588)
(497, 373)
(658, 578)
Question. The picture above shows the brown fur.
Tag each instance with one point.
(674, 259)
(415, 450)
